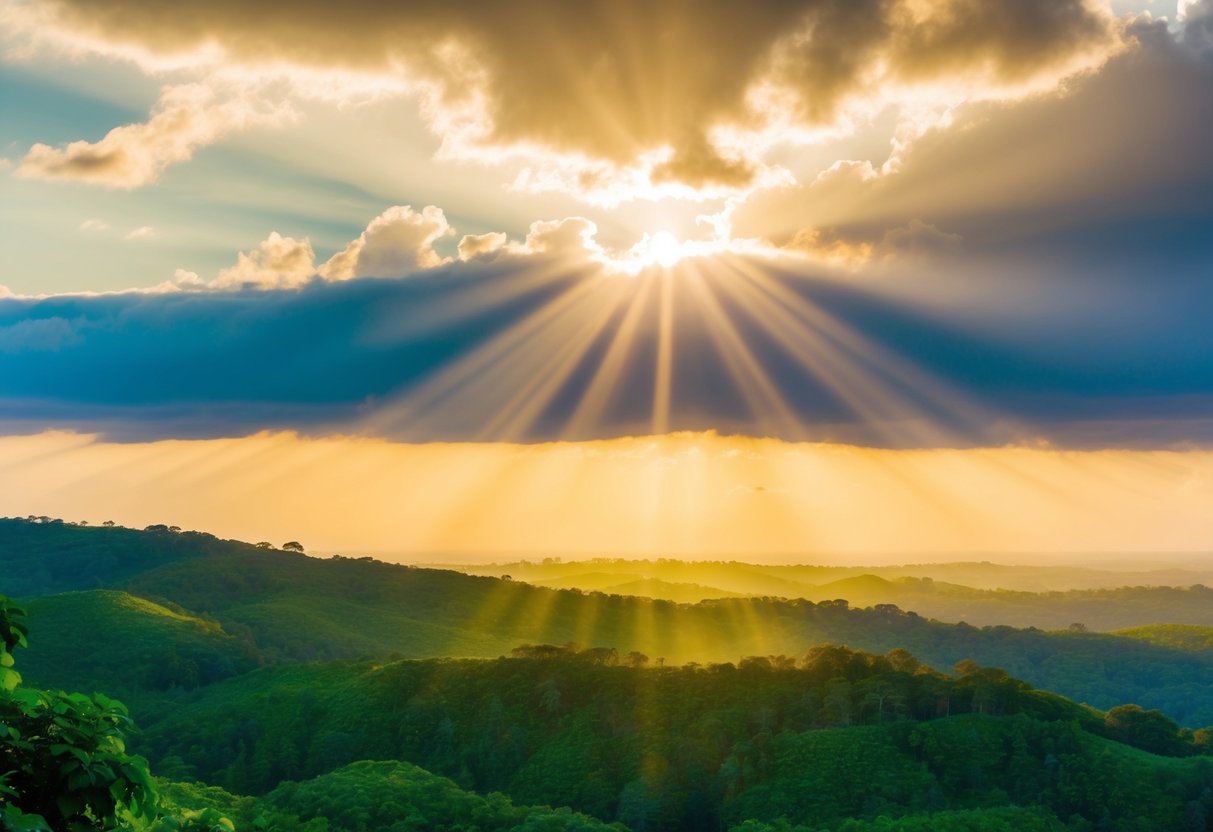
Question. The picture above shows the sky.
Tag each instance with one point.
(793, 280)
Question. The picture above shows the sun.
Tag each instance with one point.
(664, 249)
(661, 248)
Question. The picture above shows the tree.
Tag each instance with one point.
(292, 546)
(64, 754)
(1150, 730)
(637, 659)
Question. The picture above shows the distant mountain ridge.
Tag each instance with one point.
(1099, 607)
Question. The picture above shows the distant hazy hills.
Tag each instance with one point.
(1096, 599)
(788, 580)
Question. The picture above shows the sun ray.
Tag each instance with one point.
(665, 357)
(606, 377)
(874, 380)
(761, 395)
(430, 401)
(557, 352)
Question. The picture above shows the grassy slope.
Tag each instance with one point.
(131, 647)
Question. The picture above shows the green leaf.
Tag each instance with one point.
(68, 805)
(9, 679)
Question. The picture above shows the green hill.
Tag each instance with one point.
(304, 608)
(1175, 636)
(40, 558)
(290, 606)
(128, 646)
(670, 717)
(374, 795)
(692, 748)
(397, 795)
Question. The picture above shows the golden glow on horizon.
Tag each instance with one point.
(693, 495)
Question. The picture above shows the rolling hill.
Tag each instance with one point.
(287, 606)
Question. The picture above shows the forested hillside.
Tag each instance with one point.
(288, 692)
(882, 740)
(284, 605)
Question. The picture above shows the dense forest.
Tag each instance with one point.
(271, 690)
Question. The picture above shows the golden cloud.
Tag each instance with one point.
(187, 116)
(677, 95)
(398, 241)
(278, 262)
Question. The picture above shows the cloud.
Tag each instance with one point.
(668, 98)
(1197, 19)
(186, 117)
(829, 246)
(473, 246)
(397, 242)
(858, 246)
(39, 335)
(94, 225)
(917, 238)
(143, 232)
(542, 346)
(278, 263)
(572, 237)
(1123, 150)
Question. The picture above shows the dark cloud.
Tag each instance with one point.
(466, 352)
(1122, 159)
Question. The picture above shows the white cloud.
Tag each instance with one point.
(186, 117)
(569, 237)
(277, 263)
(143, 232)
(474, 246)
(397, 242)
(94, 225)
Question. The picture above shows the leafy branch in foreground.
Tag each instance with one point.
(65, 765)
